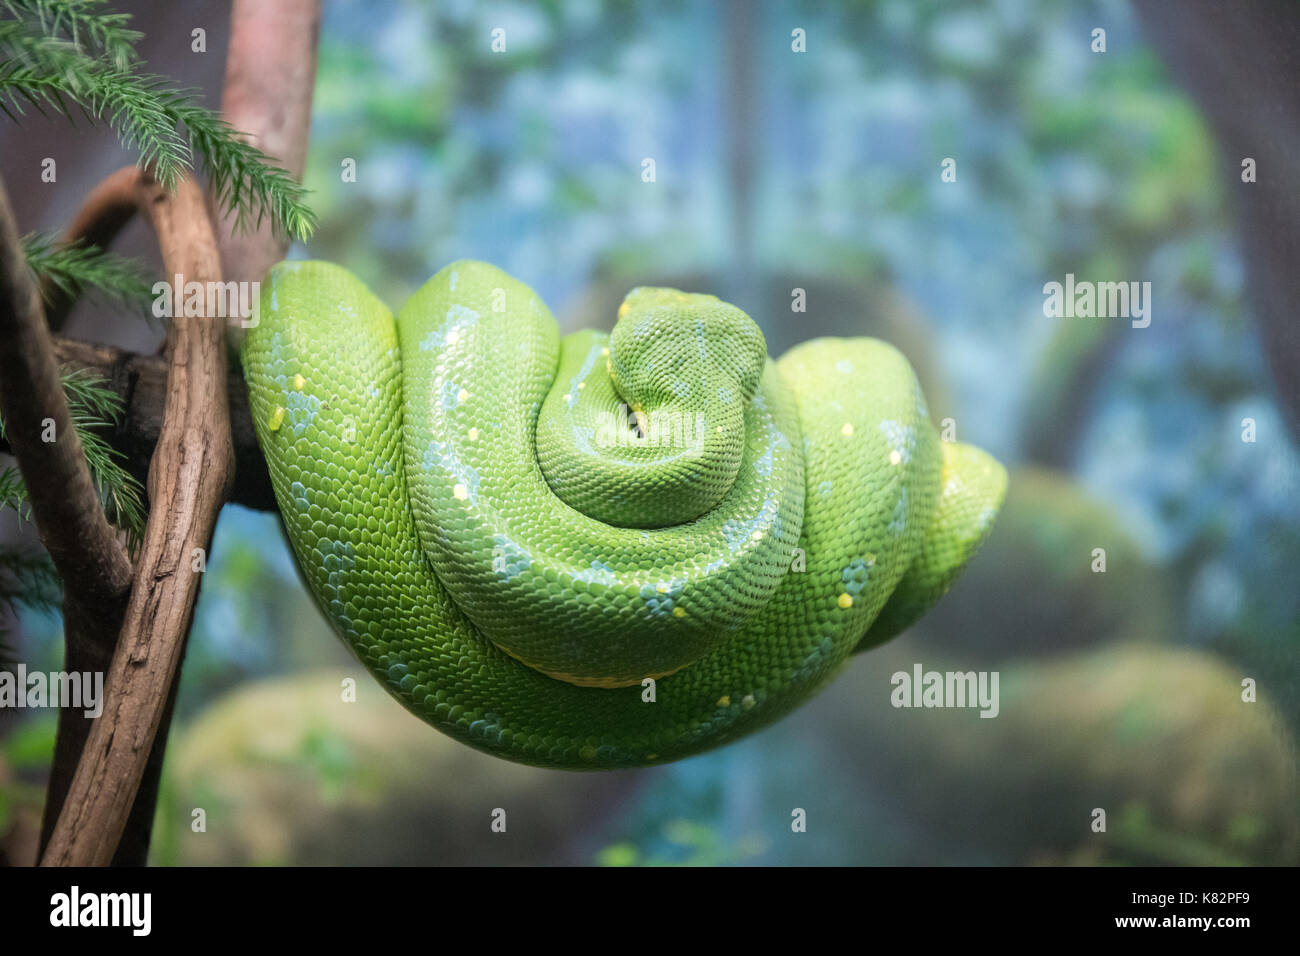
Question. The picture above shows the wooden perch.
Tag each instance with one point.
(84, 547)
(189, 478)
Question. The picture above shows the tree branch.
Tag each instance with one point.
(270, 75)
(65, 505)
(69, 517)
(176, 431)
(189, 478)
(141, 382)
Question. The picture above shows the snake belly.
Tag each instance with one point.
(568, 602)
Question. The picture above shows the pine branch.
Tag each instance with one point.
(270, 75)
(65, 504)
(68, 270)
(26, 580)
(85, 24)
(93, 407)
(50, 73)
(13, 493)
(245, 179)
(141, 381)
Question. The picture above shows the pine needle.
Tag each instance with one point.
(26, 580)
(72, 269)
(93, 407)
(84, 24)
(13, 493)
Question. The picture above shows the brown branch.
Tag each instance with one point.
(141, 383)
(189, 479)
(270, 74)
(107, 209)
(65, 505)
(89, 636)
(90, 633)
(69, 518)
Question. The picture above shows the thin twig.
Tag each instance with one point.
(107, 209)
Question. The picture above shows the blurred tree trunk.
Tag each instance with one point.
(1241, 63)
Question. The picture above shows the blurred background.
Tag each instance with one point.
(778, 170)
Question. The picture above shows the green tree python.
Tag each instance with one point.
(609, 549)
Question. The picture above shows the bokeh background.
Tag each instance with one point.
(820, 171)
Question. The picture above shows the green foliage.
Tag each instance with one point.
(242, 176)
(12, 493)
(31, 744)
(75, 56)
(85, 26)
(30, 580)
(92, 405)
(56, 54)
(70, 269)
(25, 753)
(1140, 841)
(26, 580)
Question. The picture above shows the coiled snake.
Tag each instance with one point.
(607, 550)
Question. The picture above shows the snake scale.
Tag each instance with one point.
(609, 549)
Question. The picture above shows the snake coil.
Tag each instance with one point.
(611, 549)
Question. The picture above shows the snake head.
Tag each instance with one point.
(669, 346)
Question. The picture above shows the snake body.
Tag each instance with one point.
(609, 549)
